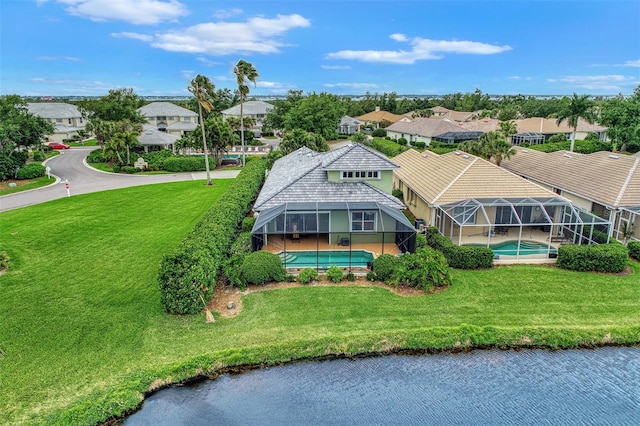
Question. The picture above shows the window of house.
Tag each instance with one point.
(69, 120)
(347, 175)
(363, 221)
(373, 174)
(58, 120)
(170, 118)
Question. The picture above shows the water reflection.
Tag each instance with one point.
(484, 387)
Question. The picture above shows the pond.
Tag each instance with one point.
(528, 387)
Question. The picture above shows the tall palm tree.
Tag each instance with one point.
(245, 72)
(202, 88)
(577, 108)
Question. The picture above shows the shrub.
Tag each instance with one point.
(247, 223)
(421, 241)
(129, 169)
(116, 168)
(38, 156)
(388, 148)
(420, 144)
(634, 249)
(232, 272)
(379, 133)
(96, 156)
(308, 275)
(461, 257)
(401, 141)
(384, 265)
(206, 247)
(261, 267)
(424, 269)
(595, 257)
(397, 193)
(155, 159)
(31, 171)
(351, 276)
(371, 276)
(184, 164)
(290, 278)
(334, 274)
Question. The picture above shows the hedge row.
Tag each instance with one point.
(634, 249)
(460, 257)
(388, 148)
(191, 272)
(594, 257)
(185, 164)
(31, 171)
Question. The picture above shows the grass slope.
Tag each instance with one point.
(84, 334)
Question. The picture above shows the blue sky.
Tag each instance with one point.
(86, 47)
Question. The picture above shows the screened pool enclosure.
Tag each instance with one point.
(349, 227)
(548, 221)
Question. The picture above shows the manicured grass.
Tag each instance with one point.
(25, 185)
(84, 335)
(88, 142)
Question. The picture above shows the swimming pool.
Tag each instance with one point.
(510, 248)
(325, 258)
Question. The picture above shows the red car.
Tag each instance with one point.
(58, 145)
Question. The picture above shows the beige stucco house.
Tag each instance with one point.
(170, 118)
(66, 118)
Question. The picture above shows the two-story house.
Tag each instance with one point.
(66, 118)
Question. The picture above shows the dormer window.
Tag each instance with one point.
(361, 174)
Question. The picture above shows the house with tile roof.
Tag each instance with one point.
(66, 118)
(338, 200)
(459, 116)
(377, 116)
(605, 183)
(423, 129)
(349, 125)
(152, 139)
(473, 201)
(257, 110)
(169, 117)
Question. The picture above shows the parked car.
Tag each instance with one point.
(58, 145)
(257, 135)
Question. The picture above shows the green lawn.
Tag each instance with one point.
(25, 185)
(83, 332)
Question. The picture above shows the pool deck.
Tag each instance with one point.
(276, 245)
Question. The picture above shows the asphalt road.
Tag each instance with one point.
(71, 165)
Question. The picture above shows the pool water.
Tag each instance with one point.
(325, 258)
(510, 248)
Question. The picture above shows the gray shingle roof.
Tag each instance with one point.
(152, 136)
(301, 177)
(156, 109)
(54, 110)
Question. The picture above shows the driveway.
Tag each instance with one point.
(71, 165)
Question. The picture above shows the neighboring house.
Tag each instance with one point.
(337, 200)
(584, 128)
(254, 109)
(169, 117)
(459, 116)
(604, 183)
(66, 118)
(349, 125)
(423, 129)
(153, 139)
(377, 116)
(537, 130)
(473, 201)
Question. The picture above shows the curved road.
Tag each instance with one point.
(71, 165)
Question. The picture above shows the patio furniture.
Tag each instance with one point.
(502, 230)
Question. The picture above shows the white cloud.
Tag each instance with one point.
(421, 49)
(136, 36)
(518, 78)
(613, 82)
(227, 13)
(138, 12)
(256, 35)
(335, 67)
(206, 61)
(59, 58)
(632, 63)
(73, 86)
(358, 86)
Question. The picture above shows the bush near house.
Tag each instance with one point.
(426, 268)
(388, 148)
(308, 275)
(610, 258)
(192, 270)
(634, 249)
(247, 224)
(261, 267)
(334, 274)
(155, 159)
(460, 257)
(384, 265)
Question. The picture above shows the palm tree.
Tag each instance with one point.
(577, 108)
(126, 140)
(202, 88)
(508, 128)
(244, 71)
(502, 149)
